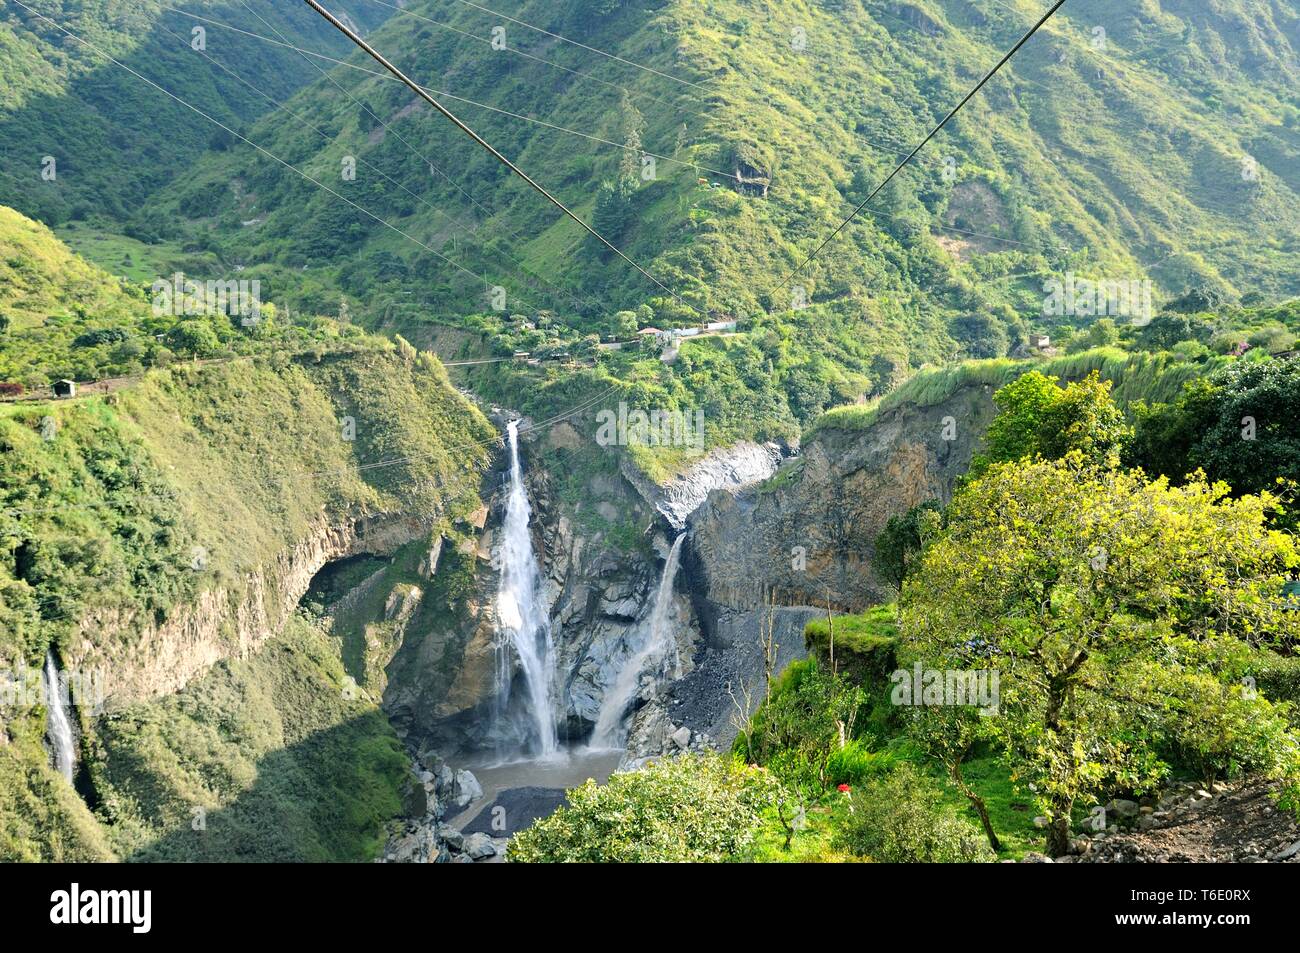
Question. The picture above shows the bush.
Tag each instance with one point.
(701, 808)
(794, 733)
(902, 820)
(856, 763)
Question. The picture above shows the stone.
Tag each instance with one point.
(682, 737)
(466, 788)
(1040, 822)
(1080, 846)
(1033, 857)
(444, 781)
(1287, 853)
(453, 838)
(480, 847)
(1123, 808)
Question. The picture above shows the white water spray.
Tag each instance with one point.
(520, 613)
(59, 726)
(659, 646)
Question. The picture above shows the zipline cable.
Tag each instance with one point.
(452, 118)
(933, 132)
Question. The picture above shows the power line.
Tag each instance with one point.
(531, 56)
(247, 141)
(584, 46)
(451, 117)
(449, 95)
(934, 132)
(519, 265)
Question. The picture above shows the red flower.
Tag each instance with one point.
(845, 788)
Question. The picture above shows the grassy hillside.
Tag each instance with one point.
(106, 503)
(1120, 160)
(114, 139)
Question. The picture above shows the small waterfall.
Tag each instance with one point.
(659, 646)
(59, 726)
(520, 613)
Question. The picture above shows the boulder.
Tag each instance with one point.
(1123, 808)
(466, 788)
(480, 847)
(682, 737)
(1288, 852)
(453, 838)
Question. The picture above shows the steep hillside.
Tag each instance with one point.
(1116, 144)
(173, 527)
(113, 140)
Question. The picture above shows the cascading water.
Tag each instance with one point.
(520, 613)
(659, 646)
(59, 725)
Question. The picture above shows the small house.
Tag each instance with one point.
(65, 388)
(1040, 341)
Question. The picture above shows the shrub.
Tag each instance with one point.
(856, 763)
(809, 715)
(702, 808)
(902, 819)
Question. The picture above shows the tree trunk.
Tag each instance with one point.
(977, 802)
(1058, 831)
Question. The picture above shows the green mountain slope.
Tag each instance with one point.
(113, 139)
(1121, 161)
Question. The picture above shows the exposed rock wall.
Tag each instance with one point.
(443, 688)
(808, 538)
(225, 621)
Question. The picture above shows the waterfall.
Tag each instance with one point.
(520, 613)
(59, 726)
(659, 645)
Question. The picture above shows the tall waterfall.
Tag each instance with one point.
(658, 646)
(59, 726)
(520, 613)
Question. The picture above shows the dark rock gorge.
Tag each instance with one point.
(774, 534)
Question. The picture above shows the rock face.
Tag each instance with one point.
(797, 540)
(810, 537)
(727, 469)
(444, 685)
(223, 622)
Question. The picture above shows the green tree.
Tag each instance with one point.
(980, 335)
(1085, 587)
(1239, 426)
(613, 210)
(948, 734)
(1036, 418)
(194, 336)
(899, 544)
(694, 808)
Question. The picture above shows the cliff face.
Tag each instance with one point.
(807, 536)
(601, 546)
(223, 622)
(177, 526)
(803, 536)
